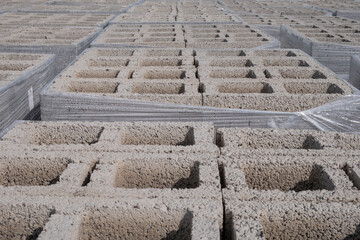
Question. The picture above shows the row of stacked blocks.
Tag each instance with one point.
(92, 180)
(185, 61)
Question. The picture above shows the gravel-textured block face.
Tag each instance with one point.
(136, 224)
(44, 36)
(23, 221)
(321, 225)
(13, 65)
(176, 35)
(31, 172)
(275, 80)
(51, 19)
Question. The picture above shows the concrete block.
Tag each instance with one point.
(123, 137)
(22, 77)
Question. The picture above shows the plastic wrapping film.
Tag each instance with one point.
(342, 115)
(20, 98)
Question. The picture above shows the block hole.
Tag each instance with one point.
(300, 177)
(239, 73)
(285, 63)
(312, 88)
(201, 88)
(115, 53)
(302, 74)
(267, 74)
(312, 224)
(242, 88)
(231, 63)
(158, 88)
(38, 172)
(220, 139)
(136, 223)
(92, 87)
(21, 221)
(108, 62)
(165, 74)
(281, 141)
(66, 134)
(162, 62)
(291, 54)
(353, 176)
(167, 173)
(97, 73)
(159, 135)
(88, 177)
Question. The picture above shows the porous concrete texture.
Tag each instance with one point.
(51, 19)
(66, 42)
(22, 77)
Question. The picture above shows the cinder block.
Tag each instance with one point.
(65, 42)
(123, 137)
(22, 77)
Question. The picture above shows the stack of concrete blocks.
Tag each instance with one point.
(81, 180)
(110, 181)
(332, 45)
(66, 42)
(155, 84)
(22, 77)
(290, 184)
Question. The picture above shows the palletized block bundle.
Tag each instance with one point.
(65, 42)
(331, 44)
(146, 81)
(22, 77)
